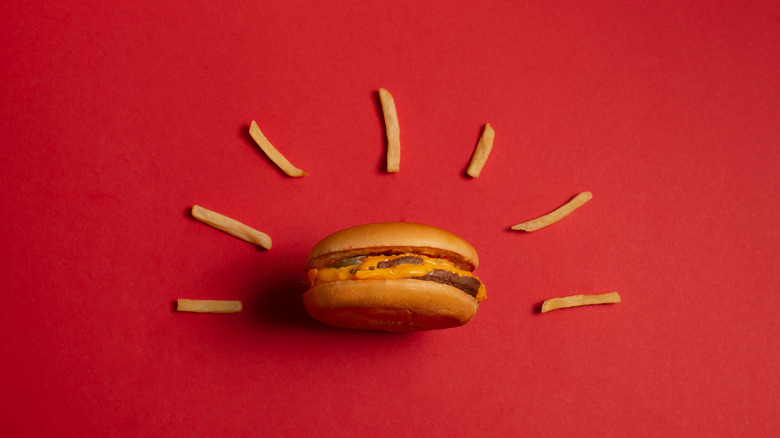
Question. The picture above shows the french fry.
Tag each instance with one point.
(208, 306)
(482, 151)
(579, 300)
(272, 153)
(551, 218)
(231, 226)
(392, 130)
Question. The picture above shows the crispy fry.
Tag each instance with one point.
(549, 219)
(231, 226)
(208, 306)
(579, 300)
(392, 130)
(272, 153)
(482, 151)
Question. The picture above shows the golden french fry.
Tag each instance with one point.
(272, 153)
(549, 219)
(482, 151)
(208, 306)
(392, 130)
(231, 226)
(579, 300)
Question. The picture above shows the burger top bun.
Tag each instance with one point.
(394, 238)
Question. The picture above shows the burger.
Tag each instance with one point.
(393, 276)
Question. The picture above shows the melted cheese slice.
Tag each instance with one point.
(367, 270)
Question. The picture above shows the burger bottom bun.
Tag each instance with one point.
(393, 305)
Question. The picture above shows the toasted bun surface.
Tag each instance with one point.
(394, 238)
(396, 305)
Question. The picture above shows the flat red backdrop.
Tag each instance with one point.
(117, 117)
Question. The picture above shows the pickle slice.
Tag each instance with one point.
(346, 262)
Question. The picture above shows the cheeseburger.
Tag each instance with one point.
(393, 276)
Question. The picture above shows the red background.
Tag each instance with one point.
(117, 117)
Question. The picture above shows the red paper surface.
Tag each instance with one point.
(118, 117)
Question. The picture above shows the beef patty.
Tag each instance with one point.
(470, 285)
